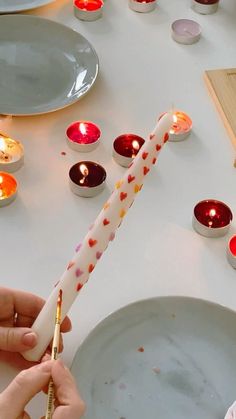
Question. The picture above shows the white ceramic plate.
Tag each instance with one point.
(13, 6)
(44, 65)
(187, 368)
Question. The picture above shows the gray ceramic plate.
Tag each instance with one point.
(44, 65)
(163, 358)
(12, 6)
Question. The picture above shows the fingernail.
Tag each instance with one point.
(29, 339)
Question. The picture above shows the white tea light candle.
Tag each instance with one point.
(11, 154)
(90, 250)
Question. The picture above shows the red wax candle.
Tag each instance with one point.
(83, 136)
(232, 245)
(231, 251)
(8, 188)
(88, 9)
(87, 178)
(126, 147)
(212, 218)
(142, 6)
(205, 7)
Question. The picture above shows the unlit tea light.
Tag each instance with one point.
(126, 147)
(88, 9)
(83, 136)
(11, 154)
(212, 218)
(231, 251)
(8, 188)
(205, 7)
(87, 178)
(142, 6)
(186, 31)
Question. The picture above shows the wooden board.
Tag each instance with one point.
(222, 86)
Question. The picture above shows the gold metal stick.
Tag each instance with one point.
(54, 355)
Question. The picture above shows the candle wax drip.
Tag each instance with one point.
(89, 175)
(213, 214)
(232, 245)
(83, 132)
(89, 5)
(128, 145)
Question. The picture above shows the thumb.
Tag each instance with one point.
(23, 388)
(17, 339)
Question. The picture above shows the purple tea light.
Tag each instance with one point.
(186, 31)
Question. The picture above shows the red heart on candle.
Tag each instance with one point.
(91, 268)
(151, 136)
(78, 272)
(123, 195)
(98, 255)
(106, 222)
(92, 242)
(158, 147)
(112, 236)
(70, 264)
(79, 286)
(166, 137)
(145, 170)
(144, 155)
(154, 160)
(131, 164)
(130, 178)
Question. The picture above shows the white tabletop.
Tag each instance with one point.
(143, 72)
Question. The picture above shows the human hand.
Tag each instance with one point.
(28, 383)
(18, 310)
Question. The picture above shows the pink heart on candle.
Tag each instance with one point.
(130, 178)
(112, 236)
(144, 155)
(92, 242)
(98, 255)
(78, 247)
(151, 136)
(70, 264)
(79, 286)
(78, 272)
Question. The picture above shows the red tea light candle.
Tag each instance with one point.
(212, 218)
(231, 252)
(8, 188)
(88, 9)
(181, 127)
(83, 136)
(142, 6)
(205, 7)
(126, 147)
(87, 178)
(11, 154)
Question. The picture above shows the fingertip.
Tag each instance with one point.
(29, 339)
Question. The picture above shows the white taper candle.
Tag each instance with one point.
(98, 237)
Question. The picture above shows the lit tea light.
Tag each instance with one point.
(83, 136)
(88, 9)
(142, 6)
(205, 7)
(8, 188)
(186, 31)
(11, 154)
(126, 147)
(231, 251)
(87, 178)
(181, 127)
(212, 218)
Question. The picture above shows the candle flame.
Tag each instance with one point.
(82, 128)
(175, 119)
(3, 145)
(212, 212)
(84, 170)
(1, 179)
(135, 144)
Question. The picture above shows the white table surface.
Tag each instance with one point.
(156, 252)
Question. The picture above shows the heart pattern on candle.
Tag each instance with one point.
(166, 137)
(111, 237)
(154, 160)
(78, 273)
(91, 268)
(92, 242)
(98, 255)
(144, 155)
(106, 222)
(145, 170)
(122, 213)
(78, 247)
(158, 147)
(151, 136)
(79, 286)
(106, 205)
(119, 184)
(123, 195)
(137, 188)
(131, 178)
(70, 264)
